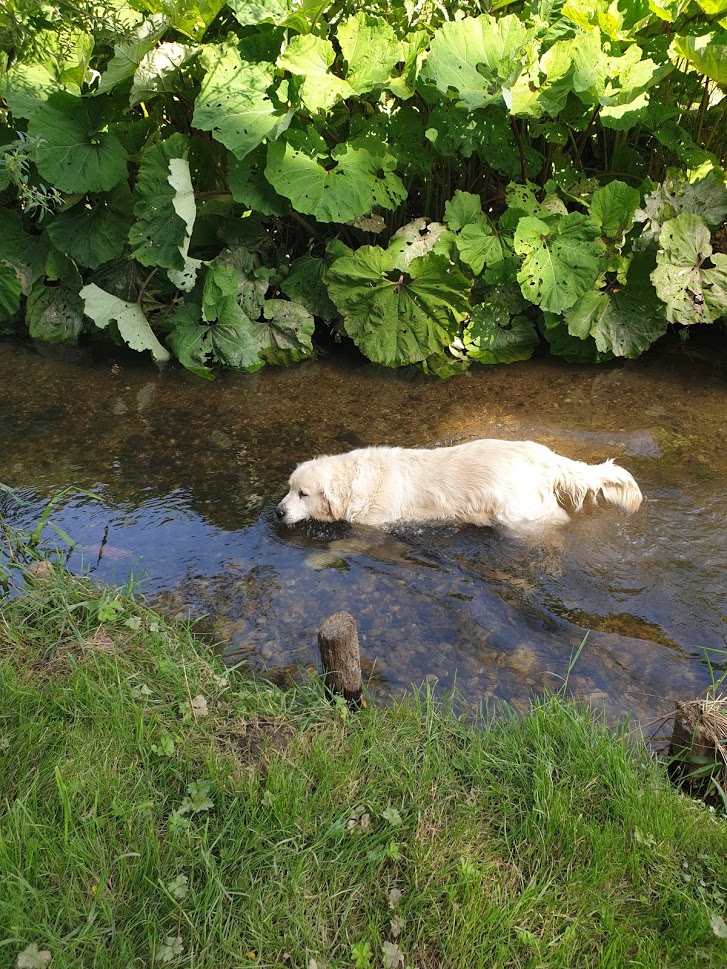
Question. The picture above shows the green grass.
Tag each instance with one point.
(276, 829)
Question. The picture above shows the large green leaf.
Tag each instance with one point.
(248, 184)
(159, 235)
(562, 260)
(304, 284)
(370, 49)
(284, 332)
(338, 188)
(618, 19)
(10, 291)
(105, 308)
(158, 71)
(463, 209)
(73, 151)
(478, 240)
(24, 253)
(494, 336)
(54, 314)
(26, 86)
(189, 17)
(300, 15)
(249, 12)
(706, 197)
(417, 238)
(470, 59)
(311, 58)
(481, 245)
(543, 88)
(236, 325)
(624, 321)
(94, 230)
(388, 190)
(706, 52)
(613, 207)
(227, 340)
(234, 103)
(692, 293)
(128, 54)
(398, 317)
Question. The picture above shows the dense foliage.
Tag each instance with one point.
(440, 183)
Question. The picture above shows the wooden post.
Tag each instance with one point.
(338, 643)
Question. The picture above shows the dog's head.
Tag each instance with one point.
(315, 490)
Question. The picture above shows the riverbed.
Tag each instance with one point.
(187, 474)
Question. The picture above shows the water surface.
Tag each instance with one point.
(189, 473)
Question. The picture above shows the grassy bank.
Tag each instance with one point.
(156, 808)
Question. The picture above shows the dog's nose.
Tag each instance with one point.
(279, 513)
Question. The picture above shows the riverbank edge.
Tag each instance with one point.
(157, 807)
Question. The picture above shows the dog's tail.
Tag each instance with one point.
(576, 481)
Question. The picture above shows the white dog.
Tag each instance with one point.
(519, 484)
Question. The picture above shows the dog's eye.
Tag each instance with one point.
(302, 494)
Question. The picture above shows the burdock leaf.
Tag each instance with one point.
(311, 58)
(469, 59)
(494, 336)
(104, 308)
(562, 259)
(338, 189)
(235, 104)
(159, 235)
(370, 49)
(94, 230)
(394, 316)
(73, 151)
(625, 321)
(54, 314)
(692, 293)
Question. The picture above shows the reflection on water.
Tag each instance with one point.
(189, 473)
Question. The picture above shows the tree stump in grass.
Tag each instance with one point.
(699, 741)
(340, 658)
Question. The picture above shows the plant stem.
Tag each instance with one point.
(703, 105)
(521, 150)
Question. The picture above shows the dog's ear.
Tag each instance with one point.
(335, 493)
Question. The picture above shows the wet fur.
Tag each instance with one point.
(518, 484)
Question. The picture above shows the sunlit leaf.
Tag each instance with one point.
(707, 53)
(469, 59)
(104, 308)
(158, 71)
(338, 188)
(128, 54)
(235, 104)
(613, 207)
(561, 261)
(370, 49)
(689, 277)
(311, 58)
(398, 317)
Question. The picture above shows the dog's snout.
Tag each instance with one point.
(279, 513)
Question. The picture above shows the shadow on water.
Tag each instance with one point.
(189, 473)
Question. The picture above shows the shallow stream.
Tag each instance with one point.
(189, 473)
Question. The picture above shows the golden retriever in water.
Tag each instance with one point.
(519, 484)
